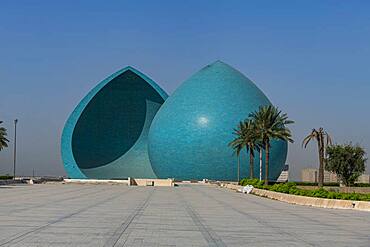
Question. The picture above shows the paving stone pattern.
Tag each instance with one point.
(187, 215)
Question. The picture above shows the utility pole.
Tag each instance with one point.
(15, 147)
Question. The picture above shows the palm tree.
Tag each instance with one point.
(270, 124)
(259, 146)
(323, 140)
(3, 140)
(238, 143)
(250, 139)
(245, 137)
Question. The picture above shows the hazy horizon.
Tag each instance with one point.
(310, 59)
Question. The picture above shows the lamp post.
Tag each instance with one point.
(15, 147)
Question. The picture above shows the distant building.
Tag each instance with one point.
(364, 178)
(330, 177)
(312, 175)
(309, 175)
(284, 175)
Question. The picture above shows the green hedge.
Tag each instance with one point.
(362, 185)
(5, 177)
(291, 188)
(316, 184)
(332, 184)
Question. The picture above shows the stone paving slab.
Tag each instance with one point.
(188, 215)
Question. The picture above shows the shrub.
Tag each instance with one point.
(331, 184)
(255, 182)
(362, 184)
(291, 188)
(5, 177)
(347, 161)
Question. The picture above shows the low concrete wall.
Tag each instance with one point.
(129, 181)
(231, 186)
(96, 181)
(152, 182)
(313, 201)
(306, 201)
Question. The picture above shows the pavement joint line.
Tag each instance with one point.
(15, 187)
(56, 201)
(22, 236)
(304, 217)
(166, 221)
(113, 240)
(208, 234)
(257, 219)
(29, 187)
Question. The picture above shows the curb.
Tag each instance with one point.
(307, 201)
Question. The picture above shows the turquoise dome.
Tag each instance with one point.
(189, 136)
(106, 135)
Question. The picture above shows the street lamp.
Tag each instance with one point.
(15, 147)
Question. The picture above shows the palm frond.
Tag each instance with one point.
(3, 140)
(314, 134)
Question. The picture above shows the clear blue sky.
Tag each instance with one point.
(311, 58)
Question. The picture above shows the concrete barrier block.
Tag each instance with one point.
(362, 205)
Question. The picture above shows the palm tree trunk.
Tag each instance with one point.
(267, 149)
(260, 163)
(238, 169)
(321, 163)
(251, 164)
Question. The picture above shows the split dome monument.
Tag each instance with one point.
(127, 126)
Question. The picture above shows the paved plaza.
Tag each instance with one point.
(187, 215)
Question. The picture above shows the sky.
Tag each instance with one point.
(311, 59)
